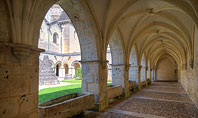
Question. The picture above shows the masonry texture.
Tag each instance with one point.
(149, 41)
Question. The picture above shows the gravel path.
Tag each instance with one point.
(160, 100)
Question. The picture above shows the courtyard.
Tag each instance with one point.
(65, 87)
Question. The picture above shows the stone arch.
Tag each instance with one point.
(77, 64)
(109, 68)
(133, 60)
(117, 56)
(74, 66)
(55, 37)
(57, 68)
(52, 63)
(85, 26)
(66, 68)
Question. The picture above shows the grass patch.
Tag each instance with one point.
(72, 81)
(79, 81)
(109, 84)
(54, 92)
(109, 81)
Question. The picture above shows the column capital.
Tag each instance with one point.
(127, 66)
(139, 67)
(21, 51)
(102, 62)
(184, 66)
(93, 61)
(21, 46)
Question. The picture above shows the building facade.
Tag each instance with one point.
(59, 39)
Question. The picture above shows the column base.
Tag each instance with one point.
(126, 94)
(101, 106)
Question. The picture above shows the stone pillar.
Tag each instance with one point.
(133, 73)
(94, 79)
(154, 75)
(146, 69)
(151, 78)
(19, 75)
(62, 72)
(120, 77)
(139, 77)
(179, 74)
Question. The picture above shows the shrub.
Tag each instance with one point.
(78, 73)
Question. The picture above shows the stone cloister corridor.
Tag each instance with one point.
(154, 54)
(160, 100)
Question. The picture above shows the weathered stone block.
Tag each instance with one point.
(29, 103)
(4, 86)
(34, 82)
(6, 69)
(2, 58)
(66, 106)
(114, 91)
(132, 84)
(11, 59)
(9, 107)
(19, 84)
(27, 69)
(33, 115)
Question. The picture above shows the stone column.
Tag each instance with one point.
(94, 79)
(120, 77)
(62, 72)
(19, 75)
(139, 77)
(126, 81)
(154, 75)
(151, 78)
(146, 69)
(133, 73)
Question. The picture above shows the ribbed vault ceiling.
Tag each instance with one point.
(158, 28)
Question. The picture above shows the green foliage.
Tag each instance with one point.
(78, 73)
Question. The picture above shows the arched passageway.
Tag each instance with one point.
(76, 66)
(66, 68)
(156, 28)
(143, 69)
(118, 65)
(58, 66)
(133, 70)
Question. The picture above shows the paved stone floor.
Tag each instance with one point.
(160, 100)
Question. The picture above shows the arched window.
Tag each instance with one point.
(55, 37)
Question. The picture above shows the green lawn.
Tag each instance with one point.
(78, 81)
(72, 81)
(54, 92)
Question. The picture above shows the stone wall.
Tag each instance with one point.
(189, 75)
(166, 70)
(18, 81)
